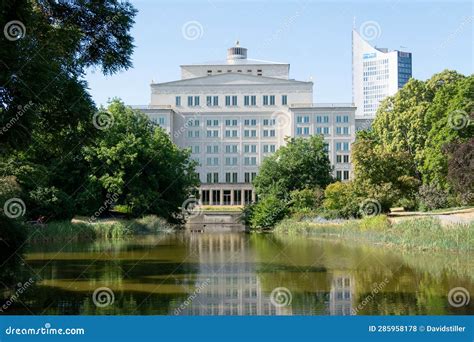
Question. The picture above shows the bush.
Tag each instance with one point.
(431, 197)
(9, 188)
(268, 211)
(340, 200)
(306, 199)
(12, 238)
(50, 202)
(379, 222)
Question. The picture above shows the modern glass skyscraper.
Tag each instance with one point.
(376, 74)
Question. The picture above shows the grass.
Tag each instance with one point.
(78, 230)
(420, 234)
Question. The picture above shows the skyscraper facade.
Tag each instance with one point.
(376, 74)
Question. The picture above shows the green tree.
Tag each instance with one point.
(46, 112)
(138, 162)
(302, 163)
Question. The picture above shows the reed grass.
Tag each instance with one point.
(106, 230)
(420, 233)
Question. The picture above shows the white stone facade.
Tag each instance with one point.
(234, 113)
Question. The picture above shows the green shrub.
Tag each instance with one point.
(432, 197)
(307, 198)
(340, 200)
(50, 202)
(268, 211)
(379, 222)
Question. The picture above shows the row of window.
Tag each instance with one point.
(231, 122)
(230, 177)
(214, 149)
(231, 161)
(322, 118)
(231, 100)
(248, 133)
(340, 130)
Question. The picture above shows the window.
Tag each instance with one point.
(190, 101)
(230, 161)
(325, 130)
(268, 148)
(339, 175)
(196, 100)
(250, 133)
(230, 122)
(306, 119)
(212, 133)
(339, 158)
(178, 100)
(346, 158)
(265, 100)
(268, 132)
(272, 100)
(212, 149)
(231, 133)
(231, 149)
(234, 100)
(227, 100)
(346, 175)
(250, 148)
(284, 100)
(196, 149)
(246, 100)
(253, 100)
(161, 121)
(250, 161)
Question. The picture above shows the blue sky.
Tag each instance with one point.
(313, 36)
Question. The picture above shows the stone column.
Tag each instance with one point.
(222, 196)
(232, 197)
(211, 192)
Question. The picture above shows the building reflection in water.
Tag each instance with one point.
(227, 283)
(341, 295)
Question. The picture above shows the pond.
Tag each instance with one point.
(236, 274)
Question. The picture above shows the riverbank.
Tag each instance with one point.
(424, 233)
(80, 229)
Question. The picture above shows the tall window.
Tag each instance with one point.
(178, 100)
(265, 100)
(284, 100)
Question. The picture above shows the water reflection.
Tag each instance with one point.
(235, 274)
(227, 280)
